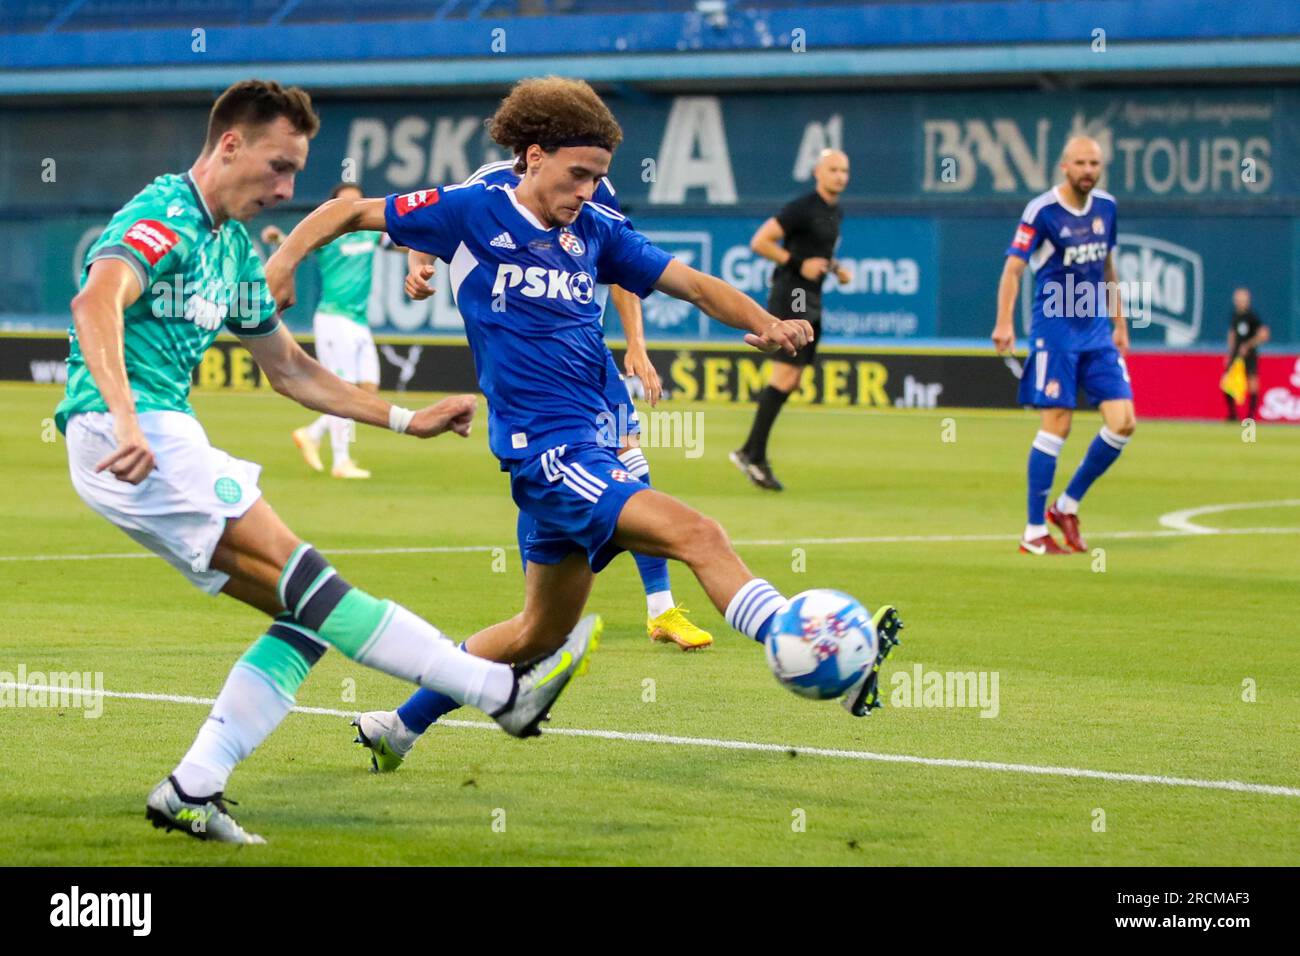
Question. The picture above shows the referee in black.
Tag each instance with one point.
(810, 226)
(1246, 333)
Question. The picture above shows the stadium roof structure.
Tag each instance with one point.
(114, 47)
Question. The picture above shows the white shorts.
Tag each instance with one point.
(179, 511)
(346, 348)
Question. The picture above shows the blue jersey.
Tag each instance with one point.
(527, 295)
(503, 173)
(1066, 249)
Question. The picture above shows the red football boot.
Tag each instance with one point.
(1045, 544)
(1069, 525)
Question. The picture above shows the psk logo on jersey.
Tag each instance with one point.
(1086, 252)
(504, 241)
(412, 201)
(571, 243)
(536, 282)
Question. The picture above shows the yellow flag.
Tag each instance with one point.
(1233, 382)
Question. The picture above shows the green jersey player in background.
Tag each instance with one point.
(174, 266)
(341, 325)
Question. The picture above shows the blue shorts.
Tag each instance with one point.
(572, 495)
(1052, 378)
(625, 420)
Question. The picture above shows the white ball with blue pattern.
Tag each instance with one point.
(820, 643)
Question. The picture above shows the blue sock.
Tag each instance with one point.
(1103, 451)
(654, 571)
(1042, 469)
(424, 708)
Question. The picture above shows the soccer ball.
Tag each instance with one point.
(821, 643)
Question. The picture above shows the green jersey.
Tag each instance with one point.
(194, 278)
(346, 265)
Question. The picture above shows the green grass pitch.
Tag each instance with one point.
(1139, 659)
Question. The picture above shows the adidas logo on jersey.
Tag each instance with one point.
(503, 241)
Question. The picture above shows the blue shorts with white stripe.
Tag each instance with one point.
(573, 495)
(1052, 377)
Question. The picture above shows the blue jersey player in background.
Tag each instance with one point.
(1078, 338)
(524, 262)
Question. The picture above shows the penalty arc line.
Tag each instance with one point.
(1236, 786)
(1181, 520)
(751, 543)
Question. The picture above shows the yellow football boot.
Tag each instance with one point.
(673, 625)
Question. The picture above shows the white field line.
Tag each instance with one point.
(752, 543)
(1181, 520)
(1236, 786)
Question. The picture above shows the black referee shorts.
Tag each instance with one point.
(808, 353)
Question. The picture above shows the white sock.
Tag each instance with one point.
(248, 708)
(1050, 444)
(316, 430)
(634, 460)
(406, 737)
(1033, 531)
(1067, 505)
(658, 602)
(410, 647)
(340, 438)
(752, 607)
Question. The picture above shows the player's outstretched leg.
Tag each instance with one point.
(554, 595)
(660, 524)
(1043, 453)
(1119, 423)
(320, 608)
(665, 621)
(655, 523)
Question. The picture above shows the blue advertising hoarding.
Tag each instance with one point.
(1206, 169)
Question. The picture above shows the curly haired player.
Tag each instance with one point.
(535, 332)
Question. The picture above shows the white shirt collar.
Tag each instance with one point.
(523, 210)
(1056, 191)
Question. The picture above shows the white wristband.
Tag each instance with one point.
(399, 419)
